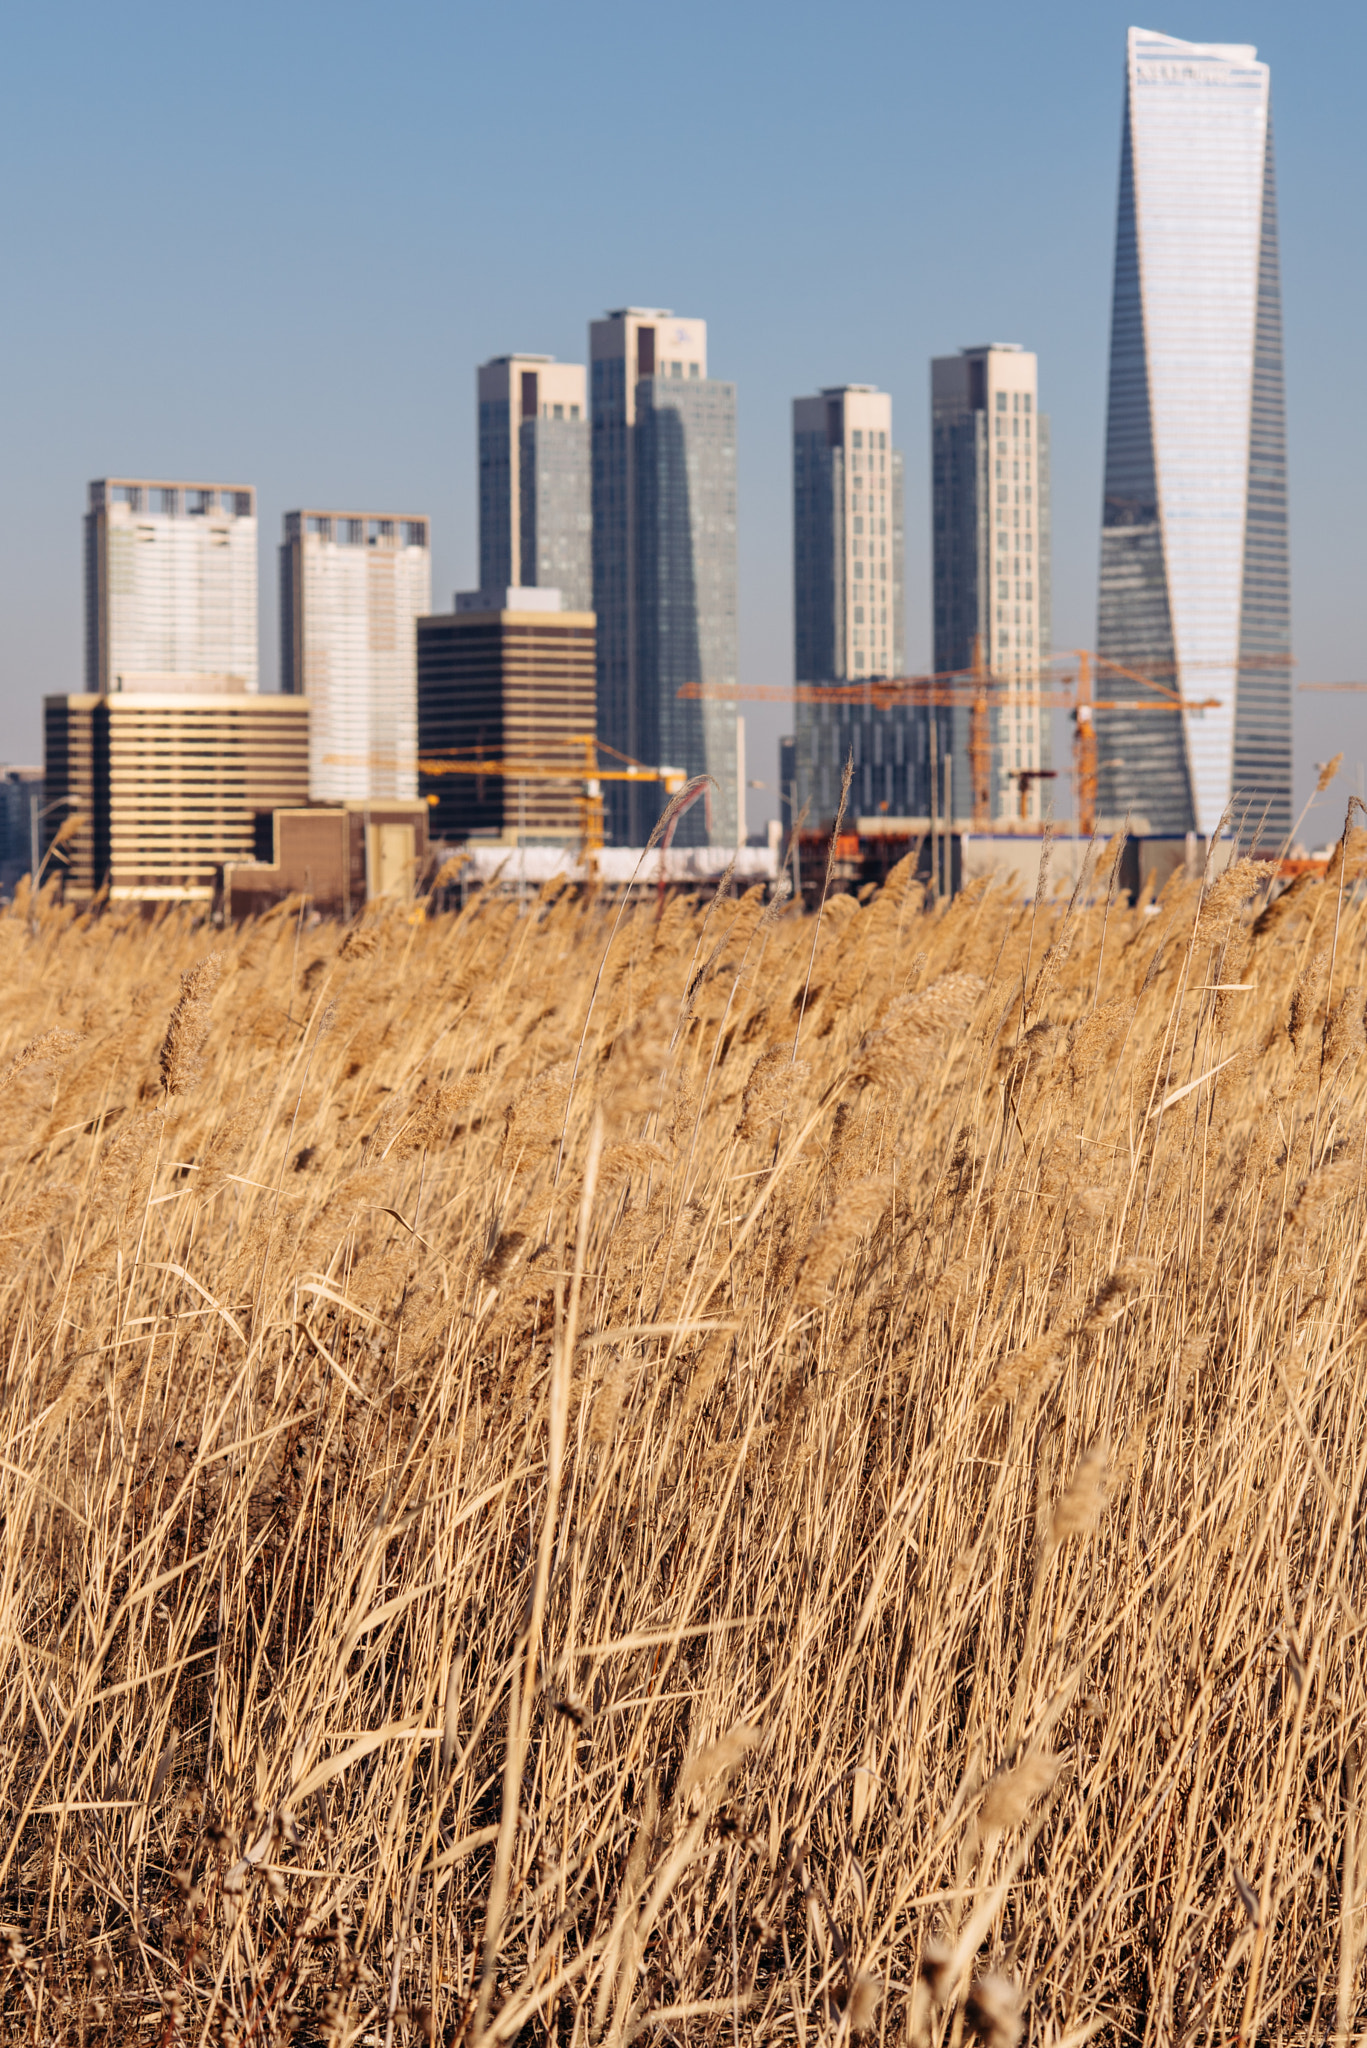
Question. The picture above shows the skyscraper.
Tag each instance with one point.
(847, 536)
(664, 564)
(1195, 574)
(990, 490)
(170, 586)
(353, 586)
(535, 517)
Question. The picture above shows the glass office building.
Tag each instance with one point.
(1195, 578)
(664, 567)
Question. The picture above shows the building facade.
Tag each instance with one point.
(21, 799)
(664, 566)
(170, 586)
(1195, 571)
(509, 681)
(535, 514)
(991, 552)
(353, 586)
(848, 543)
(339, 857)
(168, 784)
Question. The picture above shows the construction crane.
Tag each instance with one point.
(980, 691)
(590, 773)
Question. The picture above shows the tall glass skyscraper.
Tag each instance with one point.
(664, 565)
(1195, 574)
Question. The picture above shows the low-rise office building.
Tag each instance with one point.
(506, 677)
(336, 857)
(168, 784)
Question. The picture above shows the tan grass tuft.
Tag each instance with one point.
(1079, 1509)
(1012, 1793)
(182, 1049)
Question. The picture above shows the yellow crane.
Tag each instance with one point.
(590, 773)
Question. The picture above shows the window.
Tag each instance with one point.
(242, 503)
(859, 526)
(166, 502)
(693, 370)
(858, 438)
(1001, 401)
(574, 412)
(676, 369)
(415, 533)
(859, 615)
(197, 503)
(1027, 401)
(322, 527)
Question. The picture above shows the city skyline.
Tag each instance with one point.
(205, 408)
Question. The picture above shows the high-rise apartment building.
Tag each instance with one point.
(170, 586)
(353, 586)
(664, 565)
(1195, 574)
(848, 546)
(535, 515)
(990, 518)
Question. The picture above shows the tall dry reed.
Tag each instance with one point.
(529, 1516)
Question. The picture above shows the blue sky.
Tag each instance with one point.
(272, 244)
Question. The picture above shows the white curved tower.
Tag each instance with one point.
(1195, 582)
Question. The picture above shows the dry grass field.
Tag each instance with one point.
(708, 1477)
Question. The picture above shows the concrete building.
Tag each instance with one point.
(338, 856)
(664, 565)
(848, 547)
(1195, 573)
(353, 586)
(170, 586)
(507, 676)
(991, 527)
(169, 783)
(535, 515)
